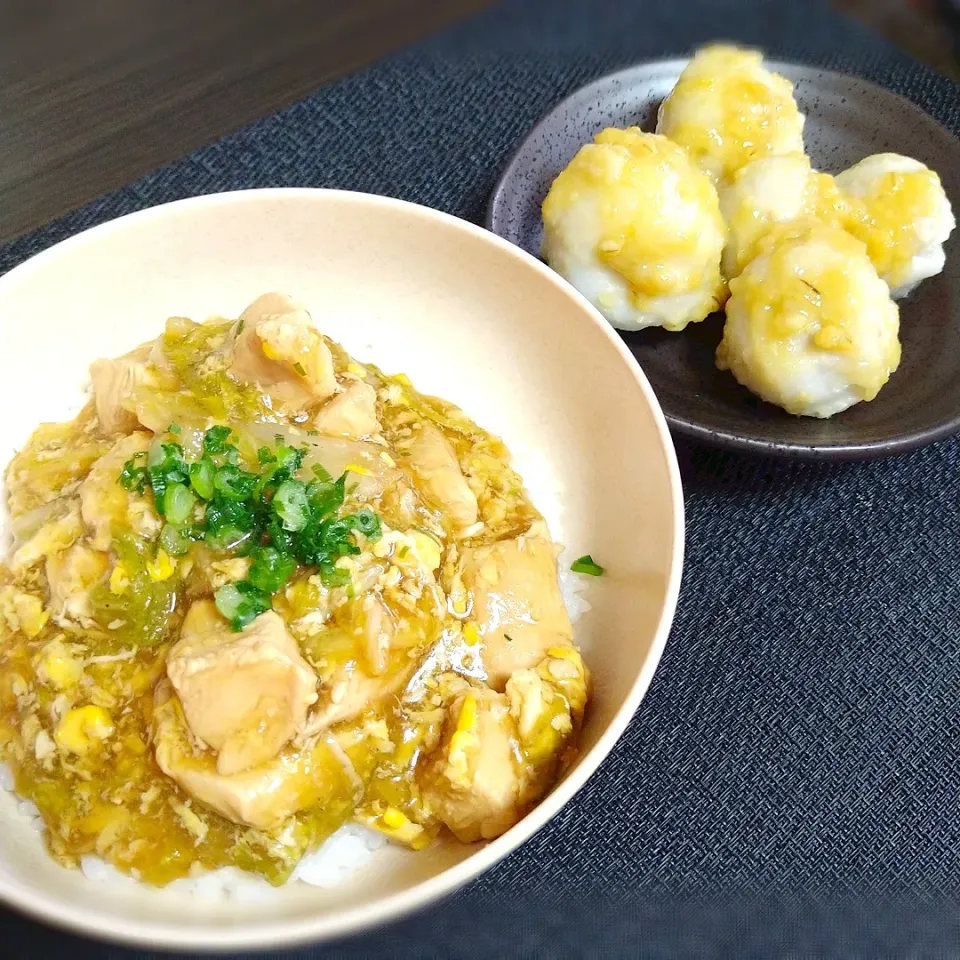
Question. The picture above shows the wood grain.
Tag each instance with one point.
(94, 94)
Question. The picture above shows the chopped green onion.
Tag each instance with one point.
(283, 540)
(234, 483)
(325, 497)
(298, 366)
(174, 428)
(202, 475)
(271, 569)
(291, 505)
(241, 603)
(178, 503)
(241, 323)
(132, 477)
(173, 540)
(332, 576)
(368, 523)
(228, 539)
(290, 458)
(158, 484)
(215, 439)
(266, 513)
(586, 564)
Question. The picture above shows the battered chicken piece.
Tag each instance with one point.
(104, 503)
(435, 465)
(352, 413)
(517, 606)
(114, 385)
(473, 781)
(278, 348)
(71, 576)
(263, 796)
(244, 694)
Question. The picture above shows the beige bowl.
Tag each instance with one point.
(466, 316)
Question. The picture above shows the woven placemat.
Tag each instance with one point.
(796, 762)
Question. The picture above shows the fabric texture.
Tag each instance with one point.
(791, 782)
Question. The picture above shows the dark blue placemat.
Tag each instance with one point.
(791, 783)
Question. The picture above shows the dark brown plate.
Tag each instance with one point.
(847, 119)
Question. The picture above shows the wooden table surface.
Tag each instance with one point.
(95, 93)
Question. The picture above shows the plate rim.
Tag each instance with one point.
(715, 437)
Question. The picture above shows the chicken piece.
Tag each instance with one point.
(114, 385)
(104, 503)
(22, 611)
(377, 472)
(473, 781)
(352, 413)
(356, 684)
(278, 348)
(263, 796)
(50, 466)
(71, 577)
(57, 534)
(244, 694)
(351, 690)
(547, 704)
(435, 465)
(517, 607)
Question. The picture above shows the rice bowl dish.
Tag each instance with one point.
(308, 241)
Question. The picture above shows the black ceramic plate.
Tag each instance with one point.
(847, 119)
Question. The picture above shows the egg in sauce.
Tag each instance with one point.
(258, 590)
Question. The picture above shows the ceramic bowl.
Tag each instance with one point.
(467, 316)
(847, 119)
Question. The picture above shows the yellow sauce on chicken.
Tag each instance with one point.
(152, 732)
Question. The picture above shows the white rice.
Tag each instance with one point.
(572, 587)
(349, 849)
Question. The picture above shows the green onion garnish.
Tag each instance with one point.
(202, 475)
(241, 603)
(587, 565)
(291, 505)
(284, 524)
(178, 503)
(174, 541)
(215, 439)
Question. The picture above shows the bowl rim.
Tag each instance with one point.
(289, 933)
(721, 437)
